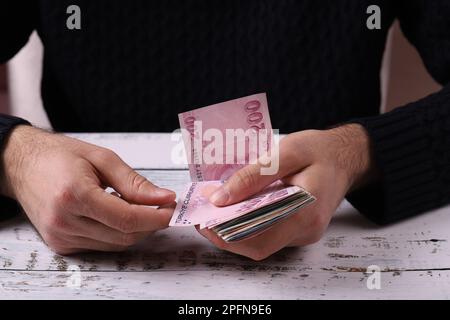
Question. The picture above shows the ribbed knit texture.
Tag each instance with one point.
(412, 143)
(136, 64)
(412, 150)
(8, 207)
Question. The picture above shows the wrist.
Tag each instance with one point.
(353, 154)
(17, 145)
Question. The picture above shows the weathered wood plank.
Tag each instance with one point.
(417, 248)
(142, 150)
(235, 284)
(178, 263)
(350, 244)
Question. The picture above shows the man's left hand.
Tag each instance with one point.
(326, 163)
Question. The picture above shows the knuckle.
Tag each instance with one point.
(245, 179)
(128, 239)
(136, 181)
(102, 155)
(56, 222)
(85, 194)
(50, 239)
(64, 197)
(55, 243)
(258, 255)
(128, 223)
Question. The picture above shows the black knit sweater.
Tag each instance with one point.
(135, 64)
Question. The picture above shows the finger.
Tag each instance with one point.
(91, 229)
(82, 244)
(314, 218)
(249, 180)
(132, 186)
(124, 217)
(302, 181)
(309, 179)
(302, 228)
(261, 245)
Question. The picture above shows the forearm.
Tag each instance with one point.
(353, 154)
(12, 158)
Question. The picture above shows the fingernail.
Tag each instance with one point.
(220, 197)
(163, 192)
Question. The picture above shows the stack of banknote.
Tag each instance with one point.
(253, 215)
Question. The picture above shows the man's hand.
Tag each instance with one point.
(326, 163)
(60, 183)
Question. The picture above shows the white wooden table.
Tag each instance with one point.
(414, 256)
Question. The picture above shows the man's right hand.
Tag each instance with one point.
(60, 183)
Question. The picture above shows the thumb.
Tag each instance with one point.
(250, 180)
(133, 187)
(241, 185)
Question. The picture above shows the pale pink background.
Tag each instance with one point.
(408, 78)
(2, 89)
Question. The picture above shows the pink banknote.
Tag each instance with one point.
(193, 207)
(213, 135)
(219, 140)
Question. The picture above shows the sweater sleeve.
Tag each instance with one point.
(8, 207)
(17, 21)
(16, 24)
(411, 144)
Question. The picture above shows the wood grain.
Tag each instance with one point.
(177, 263)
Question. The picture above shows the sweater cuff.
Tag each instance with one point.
(405, 184)
(8, 207)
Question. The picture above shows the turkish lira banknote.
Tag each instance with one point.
(232, 122)
(211, 162)
(240, 220)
